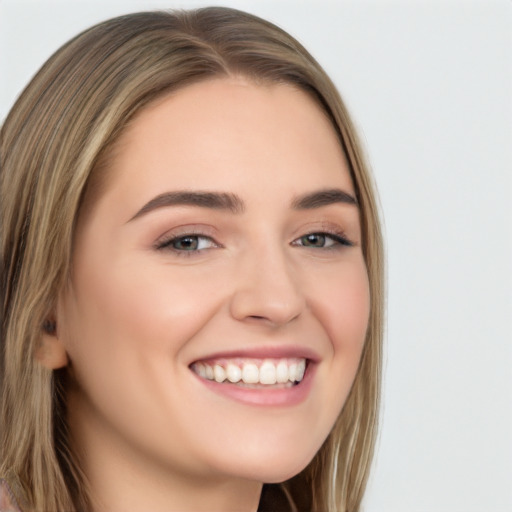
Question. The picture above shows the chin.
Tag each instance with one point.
(273, 470)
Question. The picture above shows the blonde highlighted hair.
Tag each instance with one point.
(54, 148)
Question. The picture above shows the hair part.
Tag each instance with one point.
(55, 148)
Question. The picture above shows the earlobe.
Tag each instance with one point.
(51, 352)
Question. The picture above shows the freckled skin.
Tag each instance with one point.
(135, 316)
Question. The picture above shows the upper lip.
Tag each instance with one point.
(268, 352)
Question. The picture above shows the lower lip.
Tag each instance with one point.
(264, 396)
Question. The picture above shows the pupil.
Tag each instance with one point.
(314, 240)
(188, 243)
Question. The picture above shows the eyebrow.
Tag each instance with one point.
(323, 198)
(233, 203)
(212, 200)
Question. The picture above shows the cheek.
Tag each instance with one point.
(126, 332)
(134, 306)
(343, 307)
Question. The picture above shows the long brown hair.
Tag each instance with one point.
(54, 147)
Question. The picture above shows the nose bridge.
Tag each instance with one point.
(266, 286)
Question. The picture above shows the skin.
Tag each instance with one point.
(135, 315)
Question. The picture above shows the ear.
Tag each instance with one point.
(51, 352)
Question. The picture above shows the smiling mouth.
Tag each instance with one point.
(253, 373)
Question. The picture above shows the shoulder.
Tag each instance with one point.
(7, 499)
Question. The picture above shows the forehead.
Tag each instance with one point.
(229, 133)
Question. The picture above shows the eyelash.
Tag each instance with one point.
(339, 240)
(167, 243)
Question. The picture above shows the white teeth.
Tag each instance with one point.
(270, 372)
(201, 370)
(292, 372)
(219, 373)
(233, 373)
(282, 372)
(250, 374)
(301, 368)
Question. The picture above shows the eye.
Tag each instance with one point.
(323, 240)
(187, 243)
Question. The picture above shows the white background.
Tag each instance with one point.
(430, 87)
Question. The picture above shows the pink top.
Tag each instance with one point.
(7, 499)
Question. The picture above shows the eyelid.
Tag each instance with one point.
(163, 242)
(327, 227)
(339, 238)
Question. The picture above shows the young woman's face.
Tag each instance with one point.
(221, 258)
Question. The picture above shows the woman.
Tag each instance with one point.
(191, 275)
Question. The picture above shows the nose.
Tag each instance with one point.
(266, 289)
